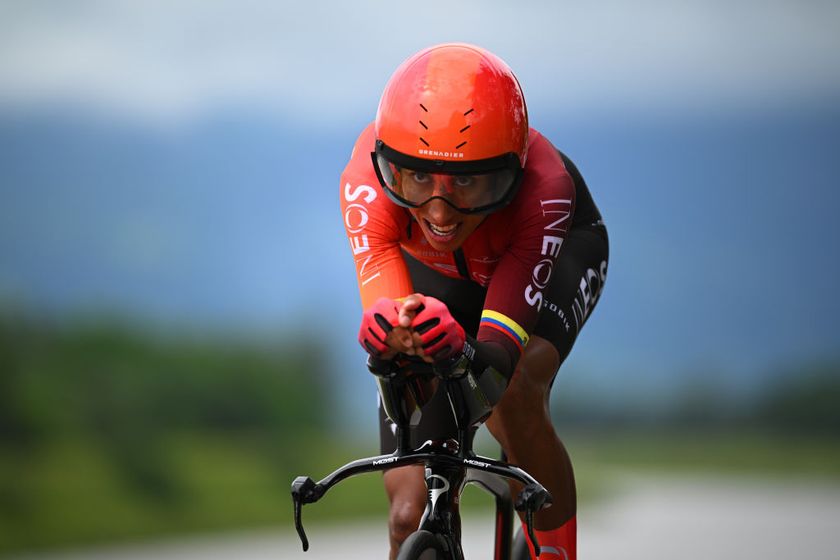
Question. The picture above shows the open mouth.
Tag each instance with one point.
(442, 234)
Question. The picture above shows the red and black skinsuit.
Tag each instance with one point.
(535, 267)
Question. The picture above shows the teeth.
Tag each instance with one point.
(442, 230)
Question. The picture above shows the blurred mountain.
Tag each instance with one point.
(218, 223)
(723, 236)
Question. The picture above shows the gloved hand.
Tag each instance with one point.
(377, 321)
(440, 333)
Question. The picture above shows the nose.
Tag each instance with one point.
(439, 212)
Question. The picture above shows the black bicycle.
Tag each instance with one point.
(406, 385)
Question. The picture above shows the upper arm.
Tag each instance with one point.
(516, 292)
(373, 230)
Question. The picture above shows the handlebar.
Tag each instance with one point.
(531, 499)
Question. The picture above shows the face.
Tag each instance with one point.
(445, 228)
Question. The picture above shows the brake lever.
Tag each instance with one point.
(299, 524)
(531, 499)
(529, 525)
(304, 491)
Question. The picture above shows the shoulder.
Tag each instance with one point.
(359, 184)
(362, 200)
(360, 163)
(546, 183)
(544, 166)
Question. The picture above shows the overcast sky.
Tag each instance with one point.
(330, 59)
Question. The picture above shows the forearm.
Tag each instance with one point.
(488, 353)
(487, 363)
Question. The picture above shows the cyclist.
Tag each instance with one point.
(474, 238)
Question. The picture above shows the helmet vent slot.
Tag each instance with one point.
(467, 113)
(459, 145)
(424, 108)
(465, 128)
(422, 140)
(424, 125)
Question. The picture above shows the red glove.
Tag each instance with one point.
(377, 322)
(441, 334)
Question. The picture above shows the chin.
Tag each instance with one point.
(444, 247)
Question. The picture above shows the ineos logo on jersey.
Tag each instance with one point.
(561, 209)
(356, 218)
(589, 291)
(542, 273)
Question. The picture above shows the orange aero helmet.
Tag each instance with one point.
(454, 110)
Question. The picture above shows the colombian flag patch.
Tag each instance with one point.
(505, 324)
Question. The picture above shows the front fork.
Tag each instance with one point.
(442, 516)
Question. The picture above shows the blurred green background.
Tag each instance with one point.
(114, 433)
(178, 308)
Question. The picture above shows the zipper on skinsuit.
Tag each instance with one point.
(461, 263)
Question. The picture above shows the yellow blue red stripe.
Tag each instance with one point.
(505, 324)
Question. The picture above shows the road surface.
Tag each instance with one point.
(648, 518)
